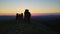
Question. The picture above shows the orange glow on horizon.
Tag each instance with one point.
(32, 14)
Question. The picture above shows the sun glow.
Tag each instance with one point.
(36, 7)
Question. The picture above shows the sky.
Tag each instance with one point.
(36, 7)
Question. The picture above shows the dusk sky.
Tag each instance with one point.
(10, 7)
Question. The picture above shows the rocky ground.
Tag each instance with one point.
(21, 27)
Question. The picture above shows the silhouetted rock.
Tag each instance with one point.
(21, 16)
(27, 15)
(17, 15)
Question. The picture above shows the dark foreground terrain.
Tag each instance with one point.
(33, 27)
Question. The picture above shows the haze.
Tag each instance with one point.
(36, 7)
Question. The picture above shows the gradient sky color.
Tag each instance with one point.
(10, 7)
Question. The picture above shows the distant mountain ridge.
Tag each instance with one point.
(47, 17)
(7, 17)
(34, 17)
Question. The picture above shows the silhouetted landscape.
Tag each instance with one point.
(45, 24)
(29, 16)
